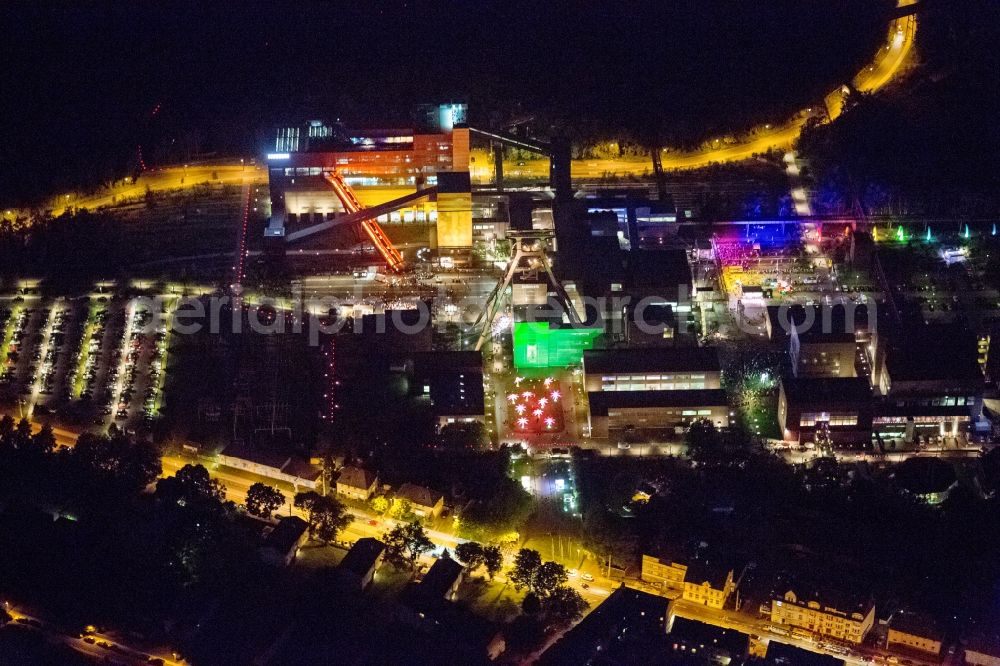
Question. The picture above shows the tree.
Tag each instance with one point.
(44, 441)
(404, 544)
(526, 564)
(531, 604)
(191, 485)
(702, 440)
(380, 504)
(464, 436)
(326, 515)
(548, 577)
(492, 560)
(402, 509)
(22, 433)
(470, 554)
(540, 578)
(6, 430)
(133, 464)
(263, 500)
(563, 606)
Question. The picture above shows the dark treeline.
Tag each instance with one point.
(930, 145)
(95, 82)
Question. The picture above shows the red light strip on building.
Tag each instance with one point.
(370, 227)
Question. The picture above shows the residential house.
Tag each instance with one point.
(356, 483)
(426, 503)
(443, 579)
(428, 606)
(698, 580)
(357, 570)
(282, 542)
(828, 615)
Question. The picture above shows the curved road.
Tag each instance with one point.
(886, 65)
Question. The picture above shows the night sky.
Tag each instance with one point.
(85, 81)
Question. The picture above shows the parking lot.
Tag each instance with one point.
(92, 360)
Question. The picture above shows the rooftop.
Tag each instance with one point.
(651, 269)
(707, 636)
(430, 363)
(819, 323)
(627, 614)
(694, 359)
(830, 599)
(826, 390)
(259, 455)
(983, 642)
(916, 624)
(782, 654)
(441, 576)
(362, 556)
(934, 353)
(418, 495)
(601, 401)
(355, 477)
(286, 534)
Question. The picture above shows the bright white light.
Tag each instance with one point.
(278, 156)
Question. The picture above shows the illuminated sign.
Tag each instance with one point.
(278, 156)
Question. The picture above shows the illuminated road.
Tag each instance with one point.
(886, 65)
(590, 581)
(97, 646)
(749, 624)
(888, 62)
(165, 178)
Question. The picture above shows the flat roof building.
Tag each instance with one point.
(652, 369)
(841, 406)
(630, 626)
(453, 382)
(668, 412)
(931, 385)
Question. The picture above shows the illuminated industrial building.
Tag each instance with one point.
(663, 390)
(380, 166)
